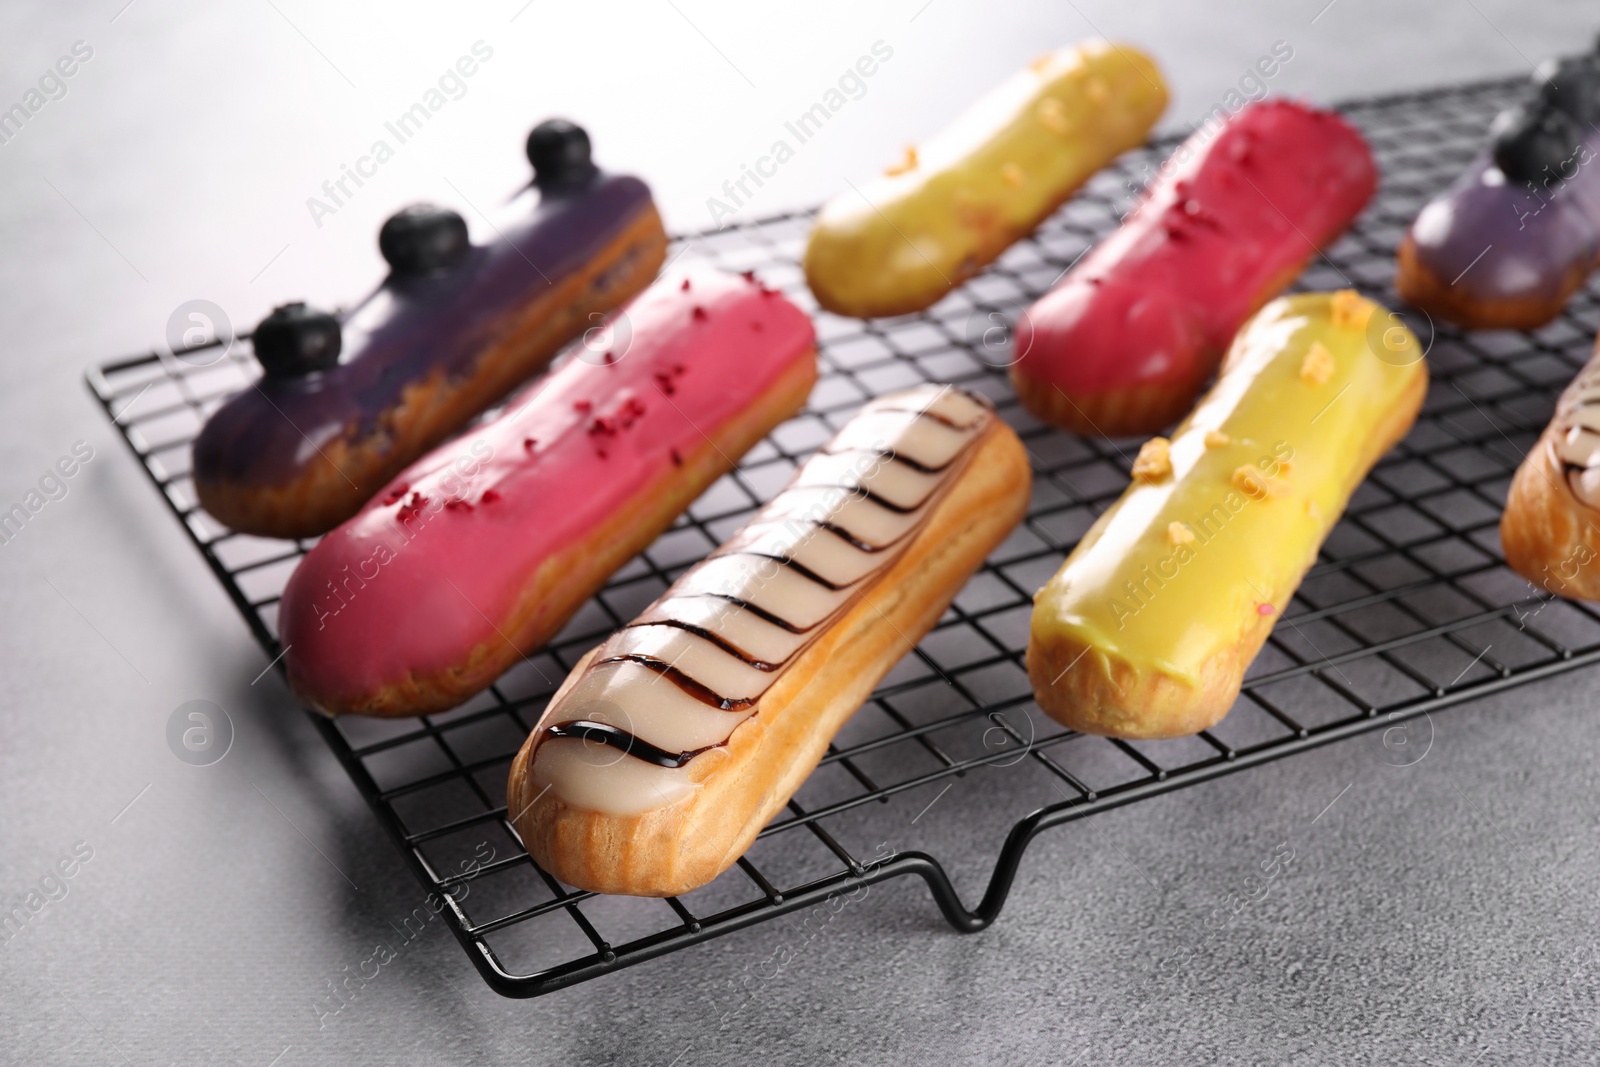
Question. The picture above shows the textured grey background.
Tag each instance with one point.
(1441, 913)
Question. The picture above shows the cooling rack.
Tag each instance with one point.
(1410, 608)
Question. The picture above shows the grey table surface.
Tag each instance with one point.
(1433, 914)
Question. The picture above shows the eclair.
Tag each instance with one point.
(343, 405)
(1148, 627)
(1518, 233)
(1548, 531)
(671, 745)
(899, 243)
(481, 551)
(1126, 341)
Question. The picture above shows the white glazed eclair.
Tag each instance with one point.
(671, 745)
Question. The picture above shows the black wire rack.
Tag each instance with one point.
(1410, 608)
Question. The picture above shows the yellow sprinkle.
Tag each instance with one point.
(1012, 175)
(909, 163)
(1254, 485)
(1053, 115)
(1097, 90)
(1178, 534)
(1318, 366)
(1217, 439)
(1349, 308)
(1154, 462)
(1313, 510)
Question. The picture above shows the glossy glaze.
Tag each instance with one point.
(414, 328)
(1521, 226)
(1195, 553)
(412, 582)
(681, 678)
(1218, 234)
(1494, 239)
(901, 241)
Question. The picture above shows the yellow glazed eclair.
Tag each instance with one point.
(671, 745)
(899, 243)
(1551, 527)
(1148, 627)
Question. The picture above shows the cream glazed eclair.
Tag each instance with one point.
(1548, 531)
(1147, 629)
(671, 745)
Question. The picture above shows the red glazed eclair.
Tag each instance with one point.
(481, 551)
(1128, 339)
(670, 746)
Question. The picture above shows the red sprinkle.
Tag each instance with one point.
(609, 358)
(677, 460)
(699, 313)
(489, 497)
(685, 285)
(748, 275)
(396, 494)
(411, 508)
(529, 444)
(582, 405)
(457, 505)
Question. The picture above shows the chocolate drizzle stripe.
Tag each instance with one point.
(1577, 411)
(794, 565)
(624, 742)
(699, 690)
(631, 745)
(835, 529)
(938, 417)
(864, 493)
(810, 633)
(716, 639)
(754, 609)
(855, 542)
(896, 457)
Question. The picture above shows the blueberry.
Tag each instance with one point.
(1536, 144)
(1573, 86)
(423, 238)
(296, 340)
(559, 152)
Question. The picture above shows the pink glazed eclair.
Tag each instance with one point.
(481, 551)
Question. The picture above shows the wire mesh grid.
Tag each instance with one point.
(1409, 609)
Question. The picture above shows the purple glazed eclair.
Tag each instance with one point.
(1518, 233)
(344, 404)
